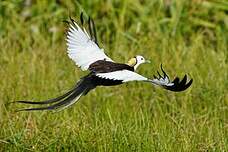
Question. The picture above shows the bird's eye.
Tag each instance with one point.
(141, 58)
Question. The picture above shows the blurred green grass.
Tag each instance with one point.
(185, 36)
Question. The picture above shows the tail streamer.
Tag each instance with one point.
(64, 101)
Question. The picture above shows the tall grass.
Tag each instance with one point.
(185, 36)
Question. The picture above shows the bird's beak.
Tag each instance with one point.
(147, 61)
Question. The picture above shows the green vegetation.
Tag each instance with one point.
(185, 36)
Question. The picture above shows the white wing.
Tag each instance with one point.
(123, 75)
(176, 85)
(81, 49)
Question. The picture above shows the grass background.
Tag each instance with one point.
(186, 36)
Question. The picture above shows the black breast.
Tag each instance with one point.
(97, 81)
(104, 82)
(102, 66)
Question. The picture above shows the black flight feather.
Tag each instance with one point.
(73, 22)
(165, 75)
(94, 32)
(90, 29)
(177, 84)
(81, 18)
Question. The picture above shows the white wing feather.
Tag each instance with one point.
(123, 75)
(126, 76)
(162, 82)
(81, 49)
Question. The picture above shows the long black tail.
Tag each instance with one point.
(63, 101)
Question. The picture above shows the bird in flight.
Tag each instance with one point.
(83, 49)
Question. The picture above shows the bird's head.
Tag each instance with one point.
(136, 61)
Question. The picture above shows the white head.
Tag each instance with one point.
(136, 61)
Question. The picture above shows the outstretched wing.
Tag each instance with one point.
(176, 85)
(82, 47)
(122, 75)
(125, 76)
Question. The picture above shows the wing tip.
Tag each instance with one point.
(178, 84)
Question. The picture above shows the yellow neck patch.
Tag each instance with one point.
(132, 62)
